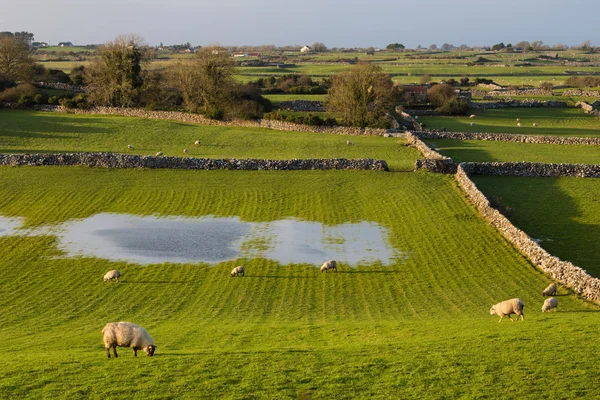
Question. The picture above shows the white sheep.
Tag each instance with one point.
(160, 153)
(349, 143)
(126, 334)
(130, 147)
(472, 116)
(472, 123)
(518, 119)
(550, 304)
(535, 124)
(197, 142)
(185, 151)
(550, 290)
(112, 274)
(327, 265)
(508, 307)
(237, 271)
(519, 124)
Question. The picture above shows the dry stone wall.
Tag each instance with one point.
(532, 169)
(113, 160)
(506, 137)
(302, 105)
(581, 93)
(510, 103)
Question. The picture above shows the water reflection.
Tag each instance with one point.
(153, 240)
(10, 226)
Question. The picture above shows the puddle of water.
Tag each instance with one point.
(153, 240)
(10, 226)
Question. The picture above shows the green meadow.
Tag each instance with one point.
(416, 328)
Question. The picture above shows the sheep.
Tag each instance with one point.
(518, 119)
(197, 142)
(519, 124)
(126, 334)
(185, 151)
(160, 153)
(237, 271)
(535, 124)
(112, 274)
(550, 304)
(130, 147)
(327, 265)
(508, 307)
(349, 143)
(550, 290)
(472, 123)
(472, 116)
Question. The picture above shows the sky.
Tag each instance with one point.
(349, 23)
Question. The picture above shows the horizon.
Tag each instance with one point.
(269, 22)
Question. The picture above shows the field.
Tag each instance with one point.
(551, 121)
(418, 328)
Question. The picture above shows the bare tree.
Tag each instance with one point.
(16, 62)
(363, 95)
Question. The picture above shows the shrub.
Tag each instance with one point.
(40, 98)
(14, 94)
(67, 102)
(53, 100)
(546, 86)
(6, 83)
(25, 101)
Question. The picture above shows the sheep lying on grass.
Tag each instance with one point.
(472, 123)
(126, 334)
(197, 142)
(327, 265)
(550, 290)
(238, 271)
(349, 142)
(160, 153)
(508, 307)
(112, 274)
(550, 304)
(472, 116)
(130, 147)
(535, 124)
(185, 151)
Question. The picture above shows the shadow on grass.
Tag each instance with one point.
(155, 282)
(276, 276)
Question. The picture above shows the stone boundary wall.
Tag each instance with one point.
(199, 119)
(531, 169)
(507, 137)
(510, 103)
(588, 108)
(114, 160)
(582, 93)
(302, 105)
(512, 92)
(434, 161)
(563, 272)
(60, 86)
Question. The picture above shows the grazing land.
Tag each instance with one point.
(562, 212)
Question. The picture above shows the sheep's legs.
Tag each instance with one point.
(115, 351)
(135, 352)
(108, 352)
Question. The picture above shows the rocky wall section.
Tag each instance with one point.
(581, 93)
(563, 272)
(506, 137)
(512, 92)
(434, 161)
(113, 160)
(60, 86)
(302, 105)
(510, 103)
(532, 169)
(199, 119)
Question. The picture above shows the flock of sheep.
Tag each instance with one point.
(126, 334)
(160, 153)
(515, 306)
(535, 124)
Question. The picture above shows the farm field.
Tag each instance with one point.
(551, 121)
(40, 132)
(562, 212)
(489, 151)
(418, 328)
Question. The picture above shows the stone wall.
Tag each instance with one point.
(507, 137)
(434, 161)
(60, 86)
(563, 272)
(512, 92)
(582, 93)
(199, 119)
(531, 169)
(113, 160)
(510, 103)
(588, 108)
(302, 105)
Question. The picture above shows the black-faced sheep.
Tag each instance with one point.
(112, 274)
(238, 271)
(130, 147)
(126, 334)
(327, 265)
(508, 307)
(550, 304)
(550, 290)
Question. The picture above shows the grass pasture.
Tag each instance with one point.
(551, 121)
(416, 329)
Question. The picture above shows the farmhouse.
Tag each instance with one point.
(419, 92)
(305, 49)
(65, 44)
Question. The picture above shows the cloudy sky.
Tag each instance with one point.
(342, 23)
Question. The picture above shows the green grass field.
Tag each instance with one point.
(488, 151)
(563, 212)
(40, 132)
(551, 121)
(418, 328)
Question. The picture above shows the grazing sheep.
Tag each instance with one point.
(550, 290)
(112, 274)
(508, 307)
(518, 119)
(160, 153)
(237, 271)
(197, 142)
(535, 124)
(550, 304)
(349, 143)
(519, 124)
(472, 123)
(185, 151)
(130, 147)
(126, 334)
(472, 116)
(327, 265)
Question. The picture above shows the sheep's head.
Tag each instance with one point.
(150, 350)
(492, 311)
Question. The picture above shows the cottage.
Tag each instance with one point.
(305, 49)
(65, 44)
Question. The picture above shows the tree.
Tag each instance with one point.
(445, 99)
(16, 62)
(114, 77)
(524, 45)
(586, 46)
(319, 47)
(364, 95)
(432, 47)
(395, 47)
(447, 47)
(498, 47)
